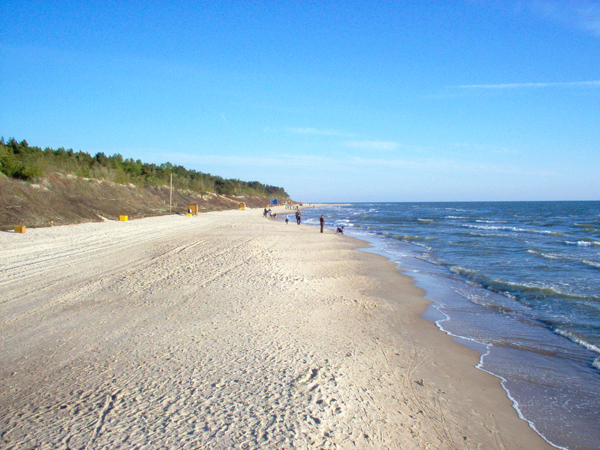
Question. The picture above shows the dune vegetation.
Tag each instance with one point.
(21, 161)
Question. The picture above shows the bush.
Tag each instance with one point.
(20, 160)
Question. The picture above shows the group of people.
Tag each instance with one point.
(268, 212)
(298, 217)
(298, 214)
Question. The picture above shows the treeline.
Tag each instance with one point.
(25, 162)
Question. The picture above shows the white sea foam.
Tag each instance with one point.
(584, 243)
(481, 366)
(514, 401)
(427, 247)
(516, 229)
(477, 299)
(591, 263)
(462, 270)
(551, 256)
(537, 288)
(587, 227)
(486, 235)
(578, 340)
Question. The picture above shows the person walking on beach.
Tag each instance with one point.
(298, 217)
(287, 219)
(322, 220)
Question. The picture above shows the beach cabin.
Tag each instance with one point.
(193, 210)
(274, 202)
(242, 206)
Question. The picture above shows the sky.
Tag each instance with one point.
(335, 101)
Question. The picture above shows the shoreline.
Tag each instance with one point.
(544, 371)
(477, 355)
(253, 327)
(450, 358)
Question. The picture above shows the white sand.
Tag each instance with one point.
(229, 330)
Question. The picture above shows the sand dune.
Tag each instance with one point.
(229, 330)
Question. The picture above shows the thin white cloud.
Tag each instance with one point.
(576, 14)
(447, 166)
(310, 131)
(582, 14)
(353, 164)
(483, 148)
(595, 83)
(372, 145)
(315, 131)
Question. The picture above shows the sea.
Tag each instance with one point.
(517, 281)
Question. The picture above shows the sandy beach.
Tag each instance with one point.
(229, 331)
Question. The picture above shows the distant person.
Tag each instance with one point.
(287, 219)
(322, 221)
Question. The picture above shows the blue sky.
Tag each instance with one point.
(465, 100)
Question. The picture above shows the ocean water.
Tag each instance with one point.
(517, 281)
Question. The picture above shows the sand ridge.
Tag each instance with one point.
(228, 330)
